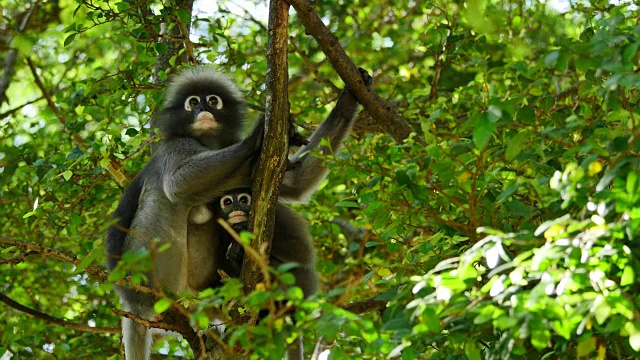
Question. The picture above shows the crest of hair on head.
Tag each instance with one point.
(204, 76)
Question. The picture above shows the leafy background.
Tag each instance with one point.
(511, 235)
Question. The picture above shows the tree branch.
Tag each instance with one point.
(54, 320)
(94, 271)
(52, 105)
(172, 320)
(364, 306)
(384, 114)
(18, 259)
(273, 159)
(163, 63)
(10, 60)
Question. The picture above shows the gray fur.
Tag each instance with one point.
(185, 172)
(188, 171)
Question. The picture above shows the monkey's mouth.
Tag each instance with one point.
(237, 217)
(205, 123)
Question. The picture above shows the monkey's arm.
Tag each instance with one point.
(195, 175)
(200, 177)
(301, 181)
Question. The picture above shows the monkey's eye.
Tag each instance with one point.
(191, 102)
(244, 199)
(225, 201)
(214, 101)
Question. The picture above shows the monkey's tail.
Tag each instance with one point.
(137, 340)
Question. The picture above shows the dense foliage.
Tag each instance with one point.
(510, 235)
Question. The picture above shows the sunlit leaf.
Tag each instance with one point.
(162, 305)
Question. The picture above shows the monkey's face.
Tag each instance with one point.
(202, 109)
(204, 105)
(234, 208)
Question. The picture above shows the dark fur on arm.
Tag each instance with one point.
(303, 179)
(126, 210)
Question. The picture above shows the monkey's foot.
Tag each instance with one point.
(368, 79)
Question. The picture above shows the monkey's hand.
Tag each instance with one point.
(368, 79)
(347, 97)
(295, 138)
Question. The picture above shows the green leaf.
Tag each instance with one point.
(494, 113)
(632, 183)
(508, 191)
(471, 350)
(402, 178)
(540, 338)
(475, 16)
(444, 169)
(67, 174)
(421, 193)
(586, 346)
(69, 39)
(131, 132)
(184, 15)
(201, 319)
(526, 115)
(516, 144)
(348, 204)
(602, 310)
(563, 328)
(482, 131)
(24, 43)
(161, 48)
(122, 6)
(164, 247)
(630, 52)
(88, 260)
(162, 305)
(628, 276)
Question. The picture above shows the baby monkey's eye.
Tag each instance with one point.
(245, 199)
(226, 201)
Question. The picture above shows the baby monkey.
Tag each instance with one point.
(233, 207)
(291, 238)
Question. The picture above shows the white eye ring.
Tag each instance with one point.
(214, 101)
(244, 198)
(189, 104)
(226, 201)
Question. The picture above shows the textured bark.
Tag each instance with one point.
(273, 159)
